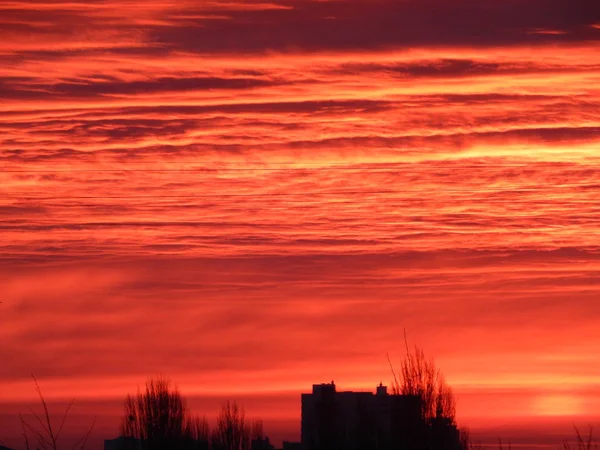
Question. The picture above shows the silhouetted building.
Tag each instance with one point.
(292, 445)
(198, 445)
(123, 443)
(333, 420)
(443, 435)
(261, 444)
(131, 443)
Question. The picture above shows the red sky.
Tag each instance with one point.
(252, 197)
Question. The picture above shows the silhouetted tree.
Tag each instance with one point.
(198, 433)
(582, 443)
(231, 431)
(160, 419)
(445, 402)
(466, 441)
(257, 429)
(421, 377)
(48, 435)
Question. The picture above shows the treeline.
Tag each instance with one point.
(158, 418)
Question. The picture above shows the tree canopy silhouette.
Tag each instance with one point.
(232, 432)
(159, 418)
(419, 376)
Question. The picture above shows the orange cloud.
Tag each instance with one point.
(213, 192)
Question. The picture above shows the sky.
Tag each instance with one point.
(251, 197)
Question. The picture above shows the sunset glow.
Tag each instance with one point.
(254, 196)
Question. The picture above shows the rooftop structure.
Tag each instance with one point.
(347, 420)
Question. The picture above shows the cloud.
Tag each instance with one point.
(358, 24)
(258, 196)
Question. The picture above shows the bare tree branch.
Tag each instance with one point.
(85, 437)
(396, 385)
(64, 418)
(47, 438)
(49, 430)
(231, 431)
(420, 377)
(39, 436)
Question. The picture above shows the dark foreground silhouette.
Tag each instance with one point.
(417, 414)
(157, 419)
